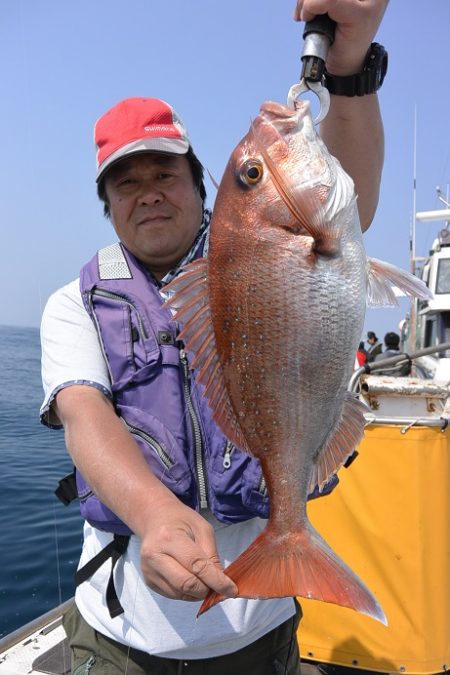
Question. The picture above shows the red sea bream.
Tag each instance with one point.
(274, 316)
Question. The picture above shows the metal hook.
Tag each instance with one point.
(316, 87)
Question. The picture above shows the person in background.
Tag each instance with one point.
(375, 346)
(361, 355)
(392, 344)
(166, 499)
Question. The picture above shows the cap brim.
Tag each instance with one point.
(174, 146)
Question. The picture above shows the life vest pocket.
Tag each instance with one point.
(131, 344)
(164, 452)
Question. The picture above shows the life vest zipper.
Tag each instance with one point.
(229, 449)
(121, 298)
(197, 435)
(262, 488)
(152, 442)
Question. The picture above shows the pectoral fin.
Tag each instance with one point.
(382, 277)
(190, 301)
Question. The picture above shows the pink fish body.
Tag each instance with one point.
(274, 316)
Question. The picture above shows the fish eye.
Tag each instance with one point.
(251, 172)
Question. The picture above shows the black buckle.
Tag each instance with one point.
(165, 337)
(67, 489)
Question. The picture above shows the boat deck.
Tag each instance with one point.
(41, 647)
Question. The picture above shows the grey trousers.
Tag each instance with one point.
(276, 653)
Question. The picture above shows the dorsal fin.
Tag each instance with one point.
(190, 302)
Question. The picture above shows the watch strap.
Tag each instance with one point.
(368, 81)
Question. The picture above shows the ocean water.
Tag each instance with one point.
(40, 538)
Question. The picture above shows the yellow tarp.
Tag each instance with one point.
(389, 519)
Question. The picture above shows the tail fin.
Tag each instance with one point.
(299, 564)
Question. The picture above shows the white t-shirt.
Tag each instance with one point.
(71, 354)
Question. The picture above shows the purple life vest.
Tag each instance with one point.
(157, 397)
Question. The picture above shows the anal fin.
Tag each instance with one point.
(341, 443)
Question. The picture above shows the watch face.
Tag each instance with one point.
(377, 61)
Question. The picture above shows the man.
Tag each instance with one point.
(165, 496)
(392, 344)
(375, 346)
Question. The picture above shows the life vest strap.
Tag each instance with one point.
(114, 550)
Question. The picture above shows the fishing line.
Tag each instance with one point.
(138, 581)
(58, 571)
(66, 652)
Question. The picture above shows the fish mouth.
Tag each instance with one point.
(276, 131)
(273, 109)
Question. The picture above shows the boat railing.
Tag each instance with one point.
(45, 622)
(393, 362)
(406, 423)
(429, 389)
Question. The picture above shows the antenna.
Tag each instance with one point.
(412, 242)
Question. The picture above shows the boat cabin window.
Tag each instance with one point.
(443, 276)
(437, 330)
(430, 332)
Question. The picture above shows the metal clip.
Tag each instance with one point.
(321, 92)
(318, 35)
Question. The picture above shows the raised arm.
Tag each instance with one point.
(353, 129)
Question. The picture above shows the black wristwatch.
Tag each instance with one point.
(368, 81)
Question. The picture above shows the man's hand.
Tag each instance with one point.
(357, 23)
(178, 554)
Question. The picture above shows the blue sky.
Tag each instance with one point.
(62, 64)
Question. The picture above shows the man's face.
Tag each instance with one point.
(155, 208)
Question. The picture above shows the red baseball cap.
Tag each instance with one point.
(138, 125)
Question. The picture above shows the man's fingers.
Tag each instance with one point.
(203, 561)
(175, 582)
(210, 572)
(185, 570)
(312, 9)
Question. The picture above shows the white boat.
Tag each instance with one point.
(389, 519)
(429, 322)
